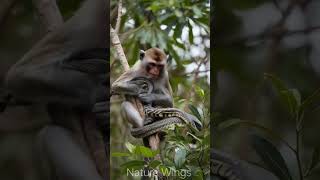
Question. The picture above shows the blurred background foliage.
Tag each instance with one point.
(181, 29)
(20, 29)
(280, 38)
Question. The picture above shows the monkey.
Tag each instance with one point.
(152, 65)
(66, 73)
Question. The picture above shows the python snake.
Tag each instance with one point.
(161, 118)
(222, 166)
(225, 167)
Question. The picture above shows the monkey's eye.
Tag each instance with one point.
(160, 66)
(152, 64)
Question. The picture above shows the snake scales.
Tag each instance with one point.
(224, 167)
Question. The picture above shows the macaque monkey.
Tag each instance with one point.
(65, 72)
(153, 66)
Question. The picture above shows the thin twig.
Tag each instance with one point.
(298, 155)
(194, 82)
(117, 45)
(195, 71)
(119, 17)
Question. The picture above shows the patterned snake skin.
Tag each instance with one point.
(224, 167)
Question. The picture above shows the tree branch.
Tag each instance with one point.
(115, 41)
(119, 16)
(49, 14)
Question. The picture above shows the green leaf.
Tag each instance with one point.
(145, 151)
(194, 111)
(180, 157)
(196, 11)
(195, 137)
(271, 157)
(190, 33)
(290, 97)
(143, 36)
(174, 54)
(292, 100)
(167, 19)
(178, 13)
(297, 96)
(276, 82)
(120, 154)
(161, 39)
(315, 158)
(153, 41)
(154, 164)
(236, 122)
(130, 147)
(200, 91)
(179, 45)
(311, 99)
(177, 31)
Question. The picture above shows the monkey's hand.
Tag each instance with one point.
(125, 88)
(146, 98)
(161, 99)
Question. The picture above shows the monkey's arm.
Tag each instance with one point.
(124, 86)
(163, 99)
(52, 83)
(57, 73)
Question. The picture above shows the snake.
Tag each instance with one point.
(157, 119)
(225, 167)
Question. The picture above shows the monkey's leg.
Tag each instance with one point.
(65, 155)
(130, 113)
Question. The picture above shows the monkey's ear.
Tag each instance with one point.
(141, 54)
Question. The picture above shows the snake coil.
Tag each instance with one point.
(161, 118)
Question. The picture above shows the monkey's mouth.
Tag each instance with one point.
(154, 74)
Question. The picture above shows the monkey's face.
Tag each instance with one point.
(153, 62)
(155, 69)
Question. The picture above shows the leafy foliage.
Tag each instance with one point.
(272, 157)
(183, 151)
(268, 152)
